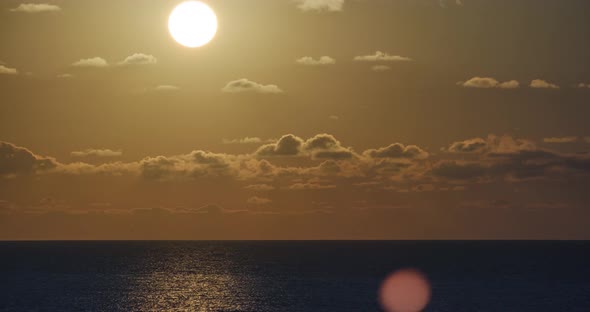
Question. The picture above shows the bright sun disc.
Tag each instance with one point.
(192, 24)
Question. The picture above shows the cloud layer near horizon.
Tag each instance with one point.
(483, 159)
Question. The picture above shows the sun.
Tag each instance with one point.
(192, 24)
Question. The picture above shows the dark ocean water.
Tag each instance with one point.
(289, 276)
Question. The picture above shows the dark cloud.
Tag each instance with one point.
(323, 142)
(287, 145)
(559, 140)
(260, 187)
(468, 146)
(188, 166)
(209, 209)
(339, 155)
(390, 167)
(326, 146)
(15, 160)
(157, 167)
(493, 143)
(515, 164)
(321, 146)
(534, 164)
(454, 170)
(397, 150)
(311, 186)
(485, 160)
(339, 168)
(423, 188)
(256, 200)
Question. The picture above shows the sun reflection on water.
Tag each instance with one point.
(181, 283)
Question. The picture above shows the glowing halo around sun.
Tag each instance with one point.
(192, 24)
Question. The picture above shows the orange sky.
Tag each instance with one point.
(303, 119)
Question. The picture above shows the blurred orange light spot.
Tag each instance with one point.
(406, 290)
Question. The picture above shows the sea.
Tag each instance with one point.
(465, 276)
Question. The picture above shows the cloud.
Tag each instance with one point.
(15, 160)
(201, 164)
(7, 70)
(455, 170)
(333, 117)
(166, 88)
(511, 84)
(255, 200)
(260, 187)
(382, 57)
(380, 68)
(310, 61)
(320, 5)
(209, 209)
(542, 84)
(107, 169)
(139, 59)
(322, 141)
(245, 85)
(397, 150)
(499, 158)
(479, 82)
(506, 158)
(538, 164)
(493, 143)
(446, 3)
(326, 146)
(311, 186)
(136, 59)
(569, 139)
(423, 188)
(36, 8)
(339, 168)
(495, 158)
(163, 168)
(582, 85)
(245, 140)
(487, 83)
(91, 62)
(287, 145)
(97, 153)
(321, 146)
(504, 163)
(65, 76)
(468, 146)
